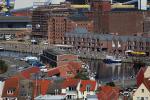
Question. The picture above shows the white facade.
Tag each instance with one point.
(56, 1)
(71, 94)
(147, 72)
(83, 95)
(142, 4)
(1, 89)
(142, 93)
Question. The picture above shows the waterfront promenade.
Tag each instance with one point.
(23, 47)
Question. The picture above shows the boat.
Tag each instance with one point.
(29, 58)
(111, 59)
(1, 48)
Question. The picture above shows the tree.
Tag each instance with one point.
(3, 66)
(110, 84)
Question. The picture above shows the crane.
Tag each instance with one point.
(5, 7)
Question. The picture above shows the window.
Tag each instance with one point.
(146, 98)
(142, 90)
(142, 98)
(88, 88)
(10, 91)
(138, 98)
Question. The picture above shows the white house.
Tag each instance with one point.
(1, 88)
(143, 92)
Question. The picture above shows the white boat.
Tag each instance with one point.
(1, 48)
(112, 59)
(29, 58)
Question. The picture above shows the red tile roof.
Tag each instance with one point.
(70, 82)
(108, 92)
(147, 83)
(53, 72)
(28, 72)
(41, 87)
(85, 83)
(11, 83)
(72, 67)
(140, 76)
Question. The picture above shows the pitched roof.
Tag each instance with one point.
(85, 83)
(12, 84)
(53, 71)
(73, 67)
(41, 86)
(28, 72)
(147, 83)
(107, 92)
(70, 83)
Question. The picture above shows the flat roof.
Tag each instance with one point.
(57, 51)
(15, 19)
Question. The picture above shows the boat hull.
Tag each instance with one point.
(109, 61)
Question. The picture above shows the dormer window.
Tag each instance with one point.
(10, 91)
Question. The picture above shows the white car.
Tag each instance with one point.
(126, 93)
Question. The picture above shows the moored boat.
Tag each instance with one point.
(112, 59)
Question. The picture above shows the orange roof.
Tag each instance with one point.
(53, 71)
(72, 67)
(85, 83)
(11, 83)
(107, 92)
(41, 86)
(28, 72)
(70, 82)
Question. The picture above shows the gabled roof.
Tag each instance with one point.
(107, 92)
(28, 72)
(72, 67)
(53, 72)
(147, 83)
(140, 76)
(70, 83)
(85, 83)
(11, 83)
(41, 87)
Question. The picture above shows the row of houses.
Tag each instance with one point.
(80, 38)
(32, 84)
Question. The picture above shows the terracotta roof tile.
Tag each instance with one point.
(41, 87)
(107, 92)
(85, 83)
(53, 72)
(28, 72)
(11, 83)
(70, 82)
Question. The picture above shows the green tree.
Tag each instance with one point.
(110, 84)
(3, 66)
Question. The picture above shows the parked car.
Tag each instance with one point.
(126, 93)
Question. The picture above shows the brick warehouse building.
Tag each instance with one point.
(59, 24)
(81, 39)
(53, 21)
(121, 21)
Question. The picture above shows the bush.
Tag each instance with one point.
(111, 84)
